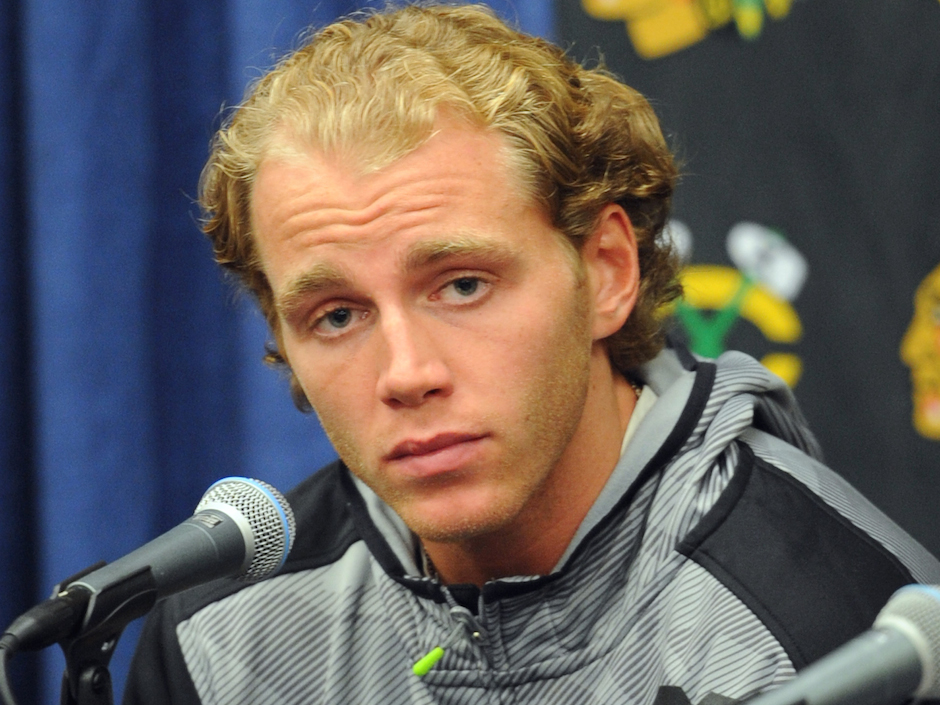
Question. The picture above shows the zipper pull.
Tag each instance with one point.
(464, 621)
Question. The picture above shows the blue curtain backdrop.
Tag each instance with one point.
(130, 371)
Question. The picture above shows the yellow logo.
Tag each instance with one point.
(661, 27)
(770, 274)
(920, 350)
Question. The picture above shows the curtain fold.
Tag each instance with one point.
(18, 540)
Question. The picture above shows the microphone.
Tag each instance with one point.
(899, 658)
(241, 527)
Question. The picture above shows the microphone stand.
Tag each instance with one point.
(86, 680)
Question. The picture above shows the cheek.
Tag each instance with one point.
(335, 388)
(340, 409)
(550, 353)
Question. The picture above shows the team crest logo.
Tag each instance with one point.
(768, 276)
(920, 351)
(661, 27)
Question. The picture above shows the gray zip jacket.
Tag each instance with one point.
(720, 558)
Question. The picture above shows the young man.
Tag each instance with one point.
(455, 235)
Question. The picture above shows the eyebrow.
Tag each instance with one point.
(327, 277)
(428, 252)
(320, 277)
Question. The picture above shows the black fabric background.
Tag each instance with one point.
(827, 128)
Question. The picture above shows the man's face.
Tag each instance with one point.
(437, 325)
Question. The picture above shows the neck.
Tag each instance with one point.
(535, 540)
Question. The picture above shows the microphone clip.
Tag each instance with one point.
(87, 680)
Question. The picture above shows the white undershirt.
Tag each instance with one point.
(644, 403)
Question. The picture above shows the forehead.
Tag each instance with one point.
(455, 186)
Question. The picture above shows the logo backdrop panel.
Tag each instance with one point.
(809, 210)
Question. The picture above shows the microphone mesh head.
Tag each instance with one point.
(267, 513)
(917, 609)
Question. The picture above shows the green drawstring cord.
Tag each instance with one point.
(464, 621)
(426, 663)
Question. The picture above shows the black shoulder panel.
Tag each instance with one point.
(325, 527)
(158, 672)
(814, 578)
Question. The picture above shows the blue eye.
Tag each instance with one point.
(466, 286)
(339, 317)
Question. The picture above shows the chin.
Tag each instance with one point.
(455, 524)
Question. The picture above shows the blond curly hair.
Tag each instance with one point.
(371, 87)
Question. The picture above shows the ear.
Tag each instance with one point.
(613, 270)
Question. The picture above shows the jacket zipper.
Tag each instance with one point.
(464, 624)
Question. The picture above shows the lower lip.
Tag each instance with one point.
(445, 460)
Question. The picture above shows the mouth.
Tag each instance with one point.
(439, 454)
(439, 442)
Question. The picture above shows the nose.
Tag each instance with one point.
(413, 370)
